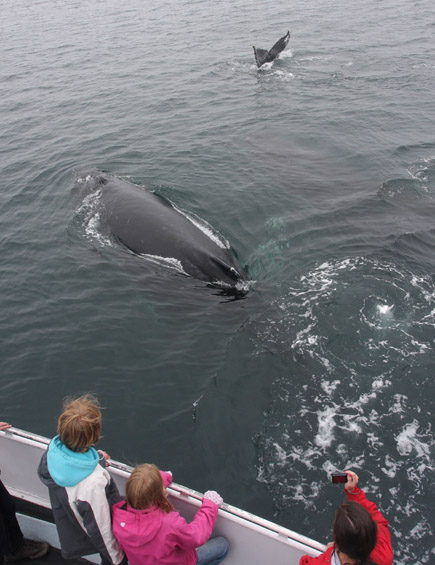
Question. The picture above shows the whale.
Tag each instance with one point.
(149, 225)
(264, 56)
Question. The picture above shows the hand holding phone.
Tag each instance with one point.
(352, 481)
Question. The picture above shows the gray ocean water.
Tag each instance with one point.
(319, 170)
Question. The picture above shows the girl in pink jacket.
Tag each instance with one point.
(150, 532)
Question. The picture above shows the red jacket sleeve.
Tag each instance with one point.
(319, 560)
(197, 532)
(383, 552)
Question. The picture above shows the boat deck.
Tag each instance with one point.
(53, 555)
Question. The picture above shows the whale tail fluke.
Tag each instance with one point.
(261, 56)
(280, 45)
(264, 56)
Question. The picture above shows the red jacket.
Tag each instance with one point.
(382, 554)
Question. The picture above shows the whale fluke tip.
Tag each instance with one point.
(264, 56)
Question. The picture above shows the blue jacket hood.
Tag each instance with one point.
(66, 467)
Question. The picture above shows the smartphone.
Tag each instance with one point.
(339, 478)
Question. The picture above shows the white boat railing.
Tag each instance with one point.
(252, 539)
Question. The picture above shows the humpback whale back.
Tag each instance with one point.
(149, 225)
(264, 56)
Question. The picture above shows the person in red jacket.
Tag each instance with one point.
(150, 532)
(361, 533)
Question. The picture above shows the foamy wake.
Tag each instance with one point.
(355, 392)
(89, 217)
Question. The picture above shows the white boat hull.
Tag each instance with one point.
(252, 540)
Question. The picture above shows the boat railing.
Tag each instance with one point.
(20, 457)
(184, 493)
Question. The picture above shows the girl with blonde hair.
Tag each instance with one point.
(151, 532)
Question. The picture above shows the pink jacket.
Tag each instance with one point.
(154, 537)
(382, 553)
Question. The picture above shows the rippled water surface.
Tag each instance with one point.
(319, 170)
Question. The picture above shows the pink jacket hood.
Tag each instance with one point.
(137, 531)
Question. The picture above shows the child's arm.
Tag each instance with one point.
(167, 477)
(196, 533)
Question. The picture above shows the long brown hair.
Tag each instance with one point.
(145, 488)
(355, 531)
(79, 425)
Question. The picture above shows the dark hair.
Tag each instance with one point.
(355, 531)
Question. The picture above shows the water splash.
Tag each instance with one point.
(350, 332)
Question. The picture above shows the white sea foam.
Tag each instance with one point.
(408, 442)
(266, 66)
(326, 425)
(390, 468)
(351, 424)
(314, 58)
(418, 531)
(330, 387)
(384, 308)
(245, 286)
(92, 227)
(89, 216)
(286, 54)
(399, 405)
(280, 453)
(344, 411)
(283, 75)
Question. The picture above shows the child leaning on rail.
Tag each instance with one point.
(361, 533)
(80, 488)
(150, 531)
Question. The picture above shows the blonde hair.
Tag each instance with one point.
(79, 425)
(145, 488)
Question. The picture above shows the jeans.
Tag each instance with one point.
(213, 551)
